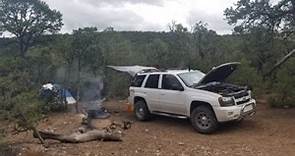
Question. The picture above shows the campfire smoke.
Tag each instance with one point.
(91, 97)
(90, 92)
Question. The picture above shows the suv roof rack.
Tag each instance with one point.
(149, 70)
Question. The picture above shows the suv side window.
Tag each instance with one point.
(170, 82)
(137, 81)
(152, 81)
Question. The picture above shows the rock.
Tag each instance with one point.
(138, 150)
(126, 125)
(181, 143)
(88, 154)
(113, 126)
(50, 129)
(82, 129)
(158, 152)
(116, 123)
(146, 130)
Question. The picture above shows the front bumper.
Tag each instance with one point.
(236, 112)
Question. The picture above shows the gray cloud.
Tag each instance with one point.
(118, 14)
(78, 13)
(215, 22)
(122, 2)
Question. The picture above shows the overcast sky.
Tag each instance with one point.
(142, 15)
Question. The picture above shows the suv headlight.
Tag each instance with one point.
(226, 101)
(250, 92)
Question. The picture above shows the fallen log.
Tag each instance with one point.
(82, 137)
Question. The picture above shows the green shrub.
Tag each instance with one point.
(279, 102)
(5, 150)
(18, 96)
(284, 86)
(3, 145)
(116, 84)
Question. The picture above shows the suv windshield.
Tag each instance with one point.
(191, 78)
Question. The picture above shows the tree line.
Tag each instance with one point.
(36, 53)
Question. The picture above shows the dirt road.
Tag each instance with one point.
(272, 132)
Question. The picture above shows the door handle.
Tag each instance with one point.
(162, 94)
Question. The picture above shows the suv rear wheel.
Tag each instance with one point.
(141, 111)
(203, 120)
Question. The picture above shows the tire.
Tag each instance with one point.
(203, 120)
(141, 111)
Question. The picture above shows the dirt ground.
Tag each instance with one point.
(271, 132)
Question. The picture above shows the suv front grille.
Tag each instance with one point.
(243, 101)
(242, 97)
(241, 94)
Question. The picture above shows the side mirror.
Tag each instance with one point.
(177, 87)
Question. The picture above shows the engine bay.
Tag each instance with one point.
(225, 89)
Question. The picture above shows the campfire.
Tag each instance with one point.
(93, 113)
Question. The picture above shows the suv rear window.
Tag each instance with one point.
(152, 81)
(137, 81)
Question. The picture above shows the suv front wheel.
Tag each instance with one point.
(203, 120)
(141, 111)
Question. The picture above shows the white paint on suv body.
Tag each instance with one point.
(179, 102)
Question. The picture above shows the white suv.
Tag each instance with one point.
(203, 98)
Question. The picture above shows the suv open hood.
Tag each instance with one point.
(219, 73)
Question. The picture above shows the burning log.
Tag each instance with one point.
(82, 137)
